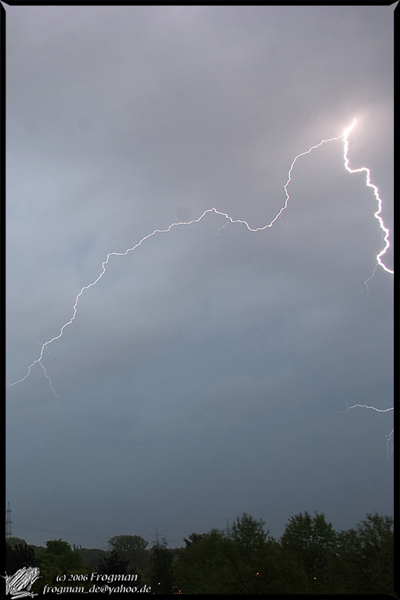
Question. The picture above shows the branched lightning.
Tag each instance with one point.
(386, 245)
(377, 215)
(344, 136)
(379, 410)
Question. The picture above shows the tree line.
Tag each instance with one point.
(310, 558)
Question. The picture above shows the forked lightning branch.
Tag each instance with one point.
(379, 257)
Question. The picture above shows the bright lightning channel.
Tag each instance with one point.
(381, 410)
(377, 215)
(344, 136)
(379, 260)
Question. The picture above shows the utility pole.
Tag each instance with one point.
(8, 521)
(227, 529)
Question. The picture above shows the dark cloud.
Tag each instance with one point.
(207, 373)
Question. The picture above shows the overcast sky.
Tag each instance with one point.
(209, 371)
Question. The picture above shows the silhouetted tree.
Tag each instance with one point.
(200, 566)
(21, 555)
(91, 556)
(12, 541)
(365, 557)
(161, 578)
(311, 542)
(57, 558)
(113, 564)
(250, 553)
(60, 554)
(133, 549)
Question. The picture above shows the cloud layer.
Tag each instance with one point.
(205, 374)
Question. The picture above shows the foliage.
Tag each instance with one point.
(239, 563)
(161, 576)
(288, 576)
(310, 558)
(58, 558)
(61, 555)
(91, 556)
(249, 552)
(365, 557)
(310, 542)
(132, 548)
(12, 541)
(18, 556)
(200, 565)
(112, 564)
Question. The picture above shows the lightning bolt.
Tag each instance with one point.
(377, 215)
(379, 261)
(379, 410)
(344, 136)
